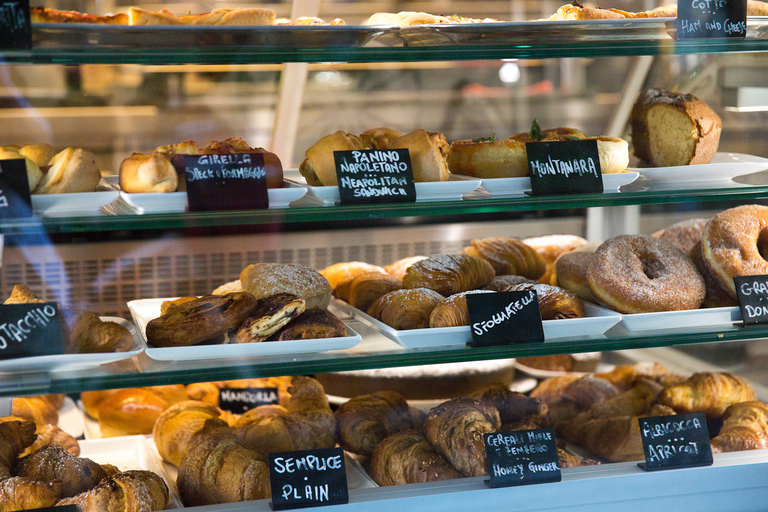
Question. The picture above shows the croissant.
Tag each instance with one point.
(512, 406)
(129, 491)
(364, 421)
(508, 256)
(452, 311)
(175, 427)
(579, 396)
(405, 309)
(14, 437)
(19, 493)
(407, 458)
(745, 427)
(51, 434)
(551, 389)
(366, 288)
(339, 275)
(554, 303)
(219, 469)
(36, 409)
(633, 402)
(90, 334)
(456, 427)
(51, 462)
(624, 376)
(449, 273)
(22, 294)
(707, 392)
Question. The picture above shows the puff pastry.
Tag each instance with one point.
(405, 309)
(449, 273)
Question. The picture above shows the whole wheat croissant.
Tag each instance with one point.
(745, 427)
(456, 427)
(130, 491)
(707, 392)
(17, 493)
(633, 402)
(407, 458)
(365, 420)
(76, 474)
(512, 406)
(449, 273)
(508, 256)
(15, 436)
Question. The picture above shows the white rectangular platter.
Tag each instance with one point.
(707, 317)
(72, 205)
(612, 184)
(70, 361)
(719, 172)
(597, 321)
(145, 310)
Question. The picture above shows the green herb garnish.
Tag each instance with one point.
(571, 137)
(492, 138)
(536, 133)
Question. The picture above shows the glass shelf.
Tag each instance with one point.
(482, 205)
(374, 352)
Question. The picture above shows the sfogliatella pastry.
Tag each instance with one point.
(398, 268)
(406, 309)
(449, 273)
(339, 275)
(672, 129)
(452, 311)
(508, 256)
(554, 303)
(366, 288)
(264, 279)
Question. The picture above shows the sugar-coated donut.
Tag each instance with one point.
(734, 242)
(549, 247)
(571, 270)
(717, 295)
(684, 234)
(642, 274)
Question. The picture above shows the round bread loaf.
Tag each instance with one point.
(266, 279)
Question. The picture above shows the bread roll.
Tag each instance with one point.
(428, 151)
(318, 166)
(40, 153)
(72, 170)
(379, 138)
(140, 173)
(264, 279)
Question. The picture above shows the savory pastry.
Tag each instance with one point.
(18, 493)
(571, 273)
(508, 256)
(127, 491)
(449, 273)
(152, 172)
(550, 390)
(271, 314)
(488, 158)
(684, 234)
(452, 311)
(76, 474)
(200, 320)
(46, 15)
(40, 153)
(21, 294)
(576, 11)
(578, 396)
(339, 275)
(633, 402)
(86, 333)
(231, 17)
(672, 129)
(365, 420)
(313, 324)
(318, 166)
(34, 174)
(264, 279)
(408, 458)
(707, 392)
(745, 427)
(405, 309)
(554, 303)
(176, 426)
(456, 427)
(73, 170)
(642, 274)
(551, 247)
(379, 138)
(733, 244)
(428, 153)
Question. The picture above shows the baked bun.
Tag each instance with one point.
(40, 153)
(265, 279)
(379, 138)
(131, 411)
(672, 129)
(428, 151)
(153, 172)
(72, 170)
(34, 174)
(318, 167)
(482, 158)
(613, 153)
(91, 400)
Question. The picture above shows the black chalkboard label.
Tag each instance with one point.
(14, 189)
(752, 292)
(308, 478)
(710, 19)
(522, 457)
(235, 181)
(30, 330)
(239, 400)
(59, 508)
(504, 318)
(15, 27)
(677, 441)
(564, 167)
(372, 176)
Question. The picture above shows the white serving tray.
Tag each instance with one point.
(519, 186)
(546, 374)
(73, 361)
(71, 419)
(72, 205)
(128, 453)
(597, 321)
(145, 310)
(706, 317)
(717, 173)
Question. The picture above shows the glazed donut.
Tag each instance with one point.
(734, 242)
(549, 247)
(683, 235)
(642, 274)
(571, 271)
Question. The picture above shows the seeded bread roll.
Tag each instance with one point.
(672, 129)
(265, 279)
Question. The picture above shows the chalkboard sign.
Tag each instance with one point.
(710, 19)
(30, 330)
(14, 189)
(676, 441)
(59, 508)
(564, 167)
(752, 292)
(522, 457)
(308, 478)
(373, 176)
(236, 181)
(504, 318)
(239, 400)
(15, 27)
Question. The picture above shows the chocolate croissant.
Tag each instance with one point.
(17, 493)
(405, 309)
(508, 256)
(456, 427)
(365, 420)
(408, 458)
(554, 303)
(452, 311)
(313, 324)
(745, 427)
(365, 288)
(707, 392)
(449, 273)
